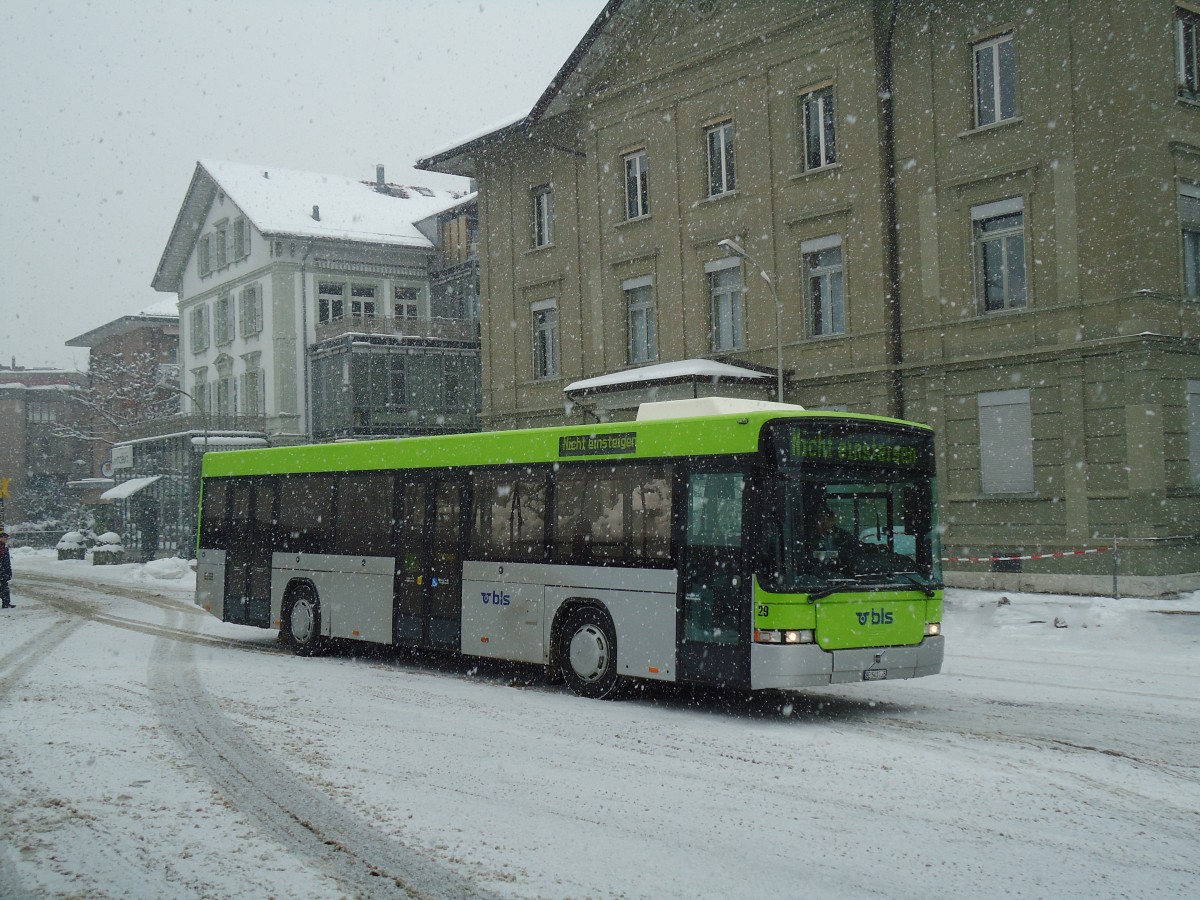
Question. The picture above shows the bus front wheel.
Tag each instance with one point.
(302, 622)
(588, 654)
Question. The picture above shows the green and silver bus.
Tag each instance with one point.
(719, 542)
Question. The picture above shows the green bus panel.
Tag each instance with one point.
(699, 436)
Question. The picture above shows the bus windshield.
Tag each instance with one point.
(848, 507)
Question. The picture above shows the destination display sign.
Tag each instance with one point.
(623, 443)
(856, 447)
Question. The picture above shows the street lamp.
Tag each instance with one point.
(738, 250)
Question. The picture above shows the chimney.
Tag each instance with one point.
(379, 182)
(316, 213)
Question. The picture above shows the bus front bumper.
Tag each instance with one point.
(788, 667)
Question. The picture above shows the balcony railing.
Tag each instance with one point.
(438, 329)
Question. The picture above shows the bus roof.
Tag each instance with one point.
(705, 435)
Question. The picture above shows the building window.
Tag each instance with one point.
(823, 277)
(204, 255)
(40, 411)
(543, 216)
(637, 186)
(200, 390)
(252, 393)
(1006, 442)
(1193, 414)
(331, 302)
(241, 238)
(820, 145)
(545, 339)
(643, 330)
(405, 303)
(725, 289)
(721, 178)
(226, 396)
(250, 312)
(224, 317)
(1000, 274)
(362, 301)
(995, 81)
(221, 245)
(199, 328)
(1187, 45)
(1189, 221)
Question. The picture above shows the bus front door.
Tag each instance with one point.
(248, 556)
(428, 582)
(714, 611)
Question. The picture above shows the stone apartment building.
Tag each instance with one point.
(132, 371)
(981, 216)
(37, 460)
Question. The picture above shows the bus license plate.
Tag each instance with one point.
(875, 675)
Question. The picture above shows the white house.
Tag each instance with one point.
(305, 306)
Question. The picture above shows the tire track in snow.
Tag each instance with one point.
(90, 613)
(364, 861)
(18, 661)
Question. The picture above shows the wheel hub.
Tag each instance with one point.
(589, 653)
(302, 621)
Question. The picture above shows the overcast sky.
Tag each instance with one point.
(105, 107)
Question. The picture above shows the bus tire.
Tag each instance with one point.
(302, 622)
(587, 654)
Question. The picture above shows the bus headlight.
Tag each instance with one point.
(933, 628)
(772, 636)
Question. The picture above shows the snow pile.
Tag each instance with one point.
(168, 569)
(72, 540)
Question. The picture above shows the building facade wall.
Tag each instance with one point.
(1102, 346)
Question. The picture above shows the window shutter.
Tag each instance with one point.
(1006, 442)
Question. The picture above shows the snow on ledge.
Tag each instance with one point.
(684, 368)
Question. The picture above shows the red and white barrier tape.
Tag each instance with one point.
(1060, 554)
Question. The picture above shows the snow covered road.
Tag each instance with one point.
(148, 750)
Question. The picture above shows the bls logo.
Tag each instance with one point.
(496, 598)
(875, 617)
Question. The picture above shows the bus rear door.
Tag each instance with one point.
(428, 581)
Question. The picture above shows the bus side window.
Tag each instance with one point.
(617, 514)
(509, 521)
(212, 516)
(306, 513)
(364, 515)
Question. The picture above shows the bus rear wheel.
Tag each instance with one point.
(587, 654)
(302, 622)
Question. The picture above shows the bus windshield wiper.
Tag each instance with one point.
(833, 587)
(915, 579)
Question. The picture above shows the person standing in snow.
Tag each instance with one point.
(5, 571)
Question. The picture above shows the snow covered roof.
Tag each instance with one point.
(126, 324)
(708, 406)
(454, 158)
(680, 370)
(574, 73)
(164, 308)
(281, 201)
(584, 59)
(128, 488)
(289, 203)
